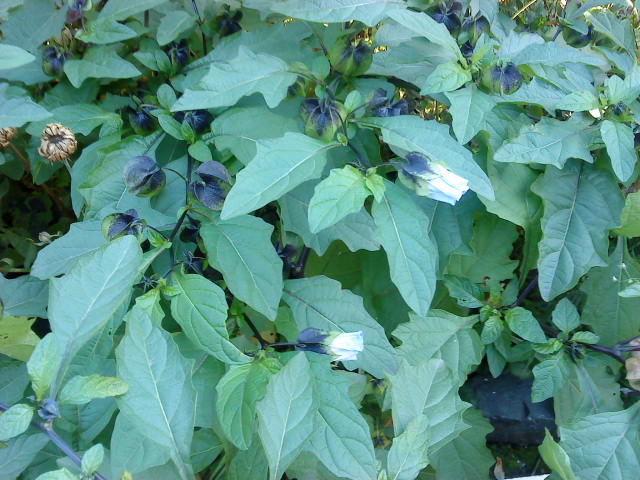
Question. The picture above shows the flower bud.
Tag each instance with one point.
(143, 176)
(179, 53)
(57, 142)
(504, 80)
(213, 188)
(117, 225)
(380, 105)
(198, 120)
(474, 27)
(6, 135)
(53, 60)
(432, 180)
(49, 410)
(322, 118)
(226, 24)
(575, 38)
(343, 346)
(448, 17)
(349, 59)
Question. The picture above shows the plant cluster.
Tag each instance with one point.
(289, 232)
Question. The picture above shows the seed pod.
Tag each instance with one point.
(53, 60)
(49, 410)
(474, 27)
(447, 17)
(322, 118)
(141, 120)
(575, 38)
(504, 80)
(57, 142)
(143, 176)
(6, 135)
(213, 188)
(179, 53)
(117, 225)
(198, 120)
(226, 24)
(349, 59)
(381, 106)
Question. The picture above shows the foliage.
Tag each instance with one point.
(293, 231)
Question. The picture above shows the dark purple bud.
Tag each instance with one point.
(143, 176)
(49, 410)
(117, 225)
(198, 120)
(179, 53)
(53, 60)
(212, 171)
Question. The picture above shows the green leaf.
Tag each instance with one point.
(279, 166)
(287, 414)
(492, 244)
(33, 23)
(444, 336)
(341, 439)
(81, 118)
(320, 302)
(62, 474)
(92, 459)
(19, 453)
(105, 31)
(565, 316)
(467, 293)
(550, 54)
(549, 141)
(200, 151)
(555, 457)
(17, 340)
(173, 24)
(15, 421)
(200, 308)
(13, 380)
(630, 216)
(447, 77)
(206, 446)
(122, 9)
(620, 31)
(581, 101)
(86, 298)
(550, 376)
(227, 82)
(133, 450)
(469, 109)
(161, 398)
(522, 322)
(618, 138)
(16, 110)
(250, 464)
(605, 445)
(412, 134)
(369, 12)
(581, 204)
(612, 317)
(585, 337)
(241, 249)
(99, 62)
(59, 256)
(403, 230)
(427, 388)
(467, 456)
(14, 57)
(408, 453)
(43, 364)
(242, 387)
(24, 296)
(341, 193)
(536, 92)
(81, 389)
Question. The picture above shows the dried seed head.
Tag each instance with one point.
(57, 142)
(6, 134)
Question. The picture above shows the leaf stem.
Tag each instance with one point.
(176, 229)
(58, 441)
(256, 333)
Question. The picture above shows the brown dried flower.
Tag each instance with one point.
(57, 142)
(6, 134)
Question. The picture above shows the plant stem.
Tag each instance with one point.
(156, 140)
(526, 291)
(256, 333)
(298, 270)
(21, 157)
(176, 229)
(58, 441)
(199, 22)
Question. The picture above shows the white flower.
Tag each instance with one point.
(347, 345)
(447, 186)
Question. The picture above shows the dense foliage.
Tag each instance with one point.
(278, 238)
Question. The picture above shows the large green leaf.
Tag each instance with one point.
(428, 388)
(328, 11)
(555, 457)
(16, 110)
(618, 30)
(17, 340)
(80, 118)
(581, 205)
(279, 166)
(403, 230)
(83, 389)
(200, 308)
(13, 380)
(14, 57)
(105, 31)
(441, 335)
(161, 398)
(173, 24)
(287, 414)
(549, 141)
(605, 445)
(250, 464)
(241, 249)
(122, 9)
(550, 376)
(99, 62)
(412, 134)
(320, 302)
(467, 456)
(612, 317)
(343, 192)
(226, 82)
(408, 454)
(58, 257)
(630, 216)
(86, 298)
(242, 387)
(15, 420)
(341, 439)
(618, 138)
(19, 453)
(469, 109)
(132, 450)
(33, 23)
